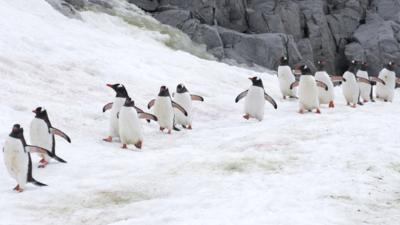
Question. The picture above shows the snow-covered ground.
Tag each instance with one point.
(341, 167)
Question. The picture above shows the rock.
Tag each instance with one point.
(65, 8)
(387, 9)
(174, 17)
(77, 4)
(147, 5)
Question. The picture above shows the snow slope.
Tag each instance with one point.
(341, 167)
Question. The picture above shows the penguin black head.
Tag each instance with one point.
(305, 70)
(129, 102)
(181, 89)
(40, 113)
(163, 91)
(364, 66)
(391, 66)
(284, 61)
(15, 132)
(256, 81)
(321, 65)
(119, 89)
(353, 66)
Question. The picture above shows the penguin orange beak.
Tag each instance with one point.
(109, 85)
(34, 111)
(250, 78)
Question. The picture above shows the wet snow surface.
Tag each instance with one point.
(340, 167)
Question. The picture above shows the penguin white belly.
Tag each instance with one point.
(286, 78)
(350, 88)
(118, 103)
(365, 89)
(16, 160)
(308, 93)
(164, 112)
(183, 99)
(255, 102)
(325, 96)
(386, 91)
(130, 130)
(40, 136)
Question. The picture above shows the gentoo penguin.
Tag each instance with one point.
(308, 90)
(286, 78)
(365, 88)
(130, 129)
(325, 96)
(163, 109)
(255, 100)
(17, 158)
(350, 87)
(121, 95)
(386, 91)
(184, 98)
(42, 135)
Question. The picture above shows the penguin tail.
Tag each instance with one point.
(54, 156)
(37, 183)
(175, 128)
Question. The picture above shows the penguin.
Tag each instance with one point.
(121, 95)
(18, 160)
(130, 130)
(42, 135)
(163, 109)
(365, 88)
(308, 90)
(386, 91)
(325, 96)
(184, 98)
(350, 87)
(286, 78)
(255, 100)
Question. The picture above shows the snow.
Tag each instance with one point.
(340, 167)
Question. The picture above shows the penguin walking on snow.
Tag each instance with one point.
(325, 96)
(308, 90)
(42, 135)
(255, 100)
(184, 98)
(163, 109)
(17, 158)
(386, 91)
(130, 129)
(286, 78)
(121, 95)
(365, 88)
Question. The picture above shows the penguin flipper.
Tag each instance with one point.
(179, 107)
(378, 80)
(107, 106)
(322, 84)
(270, 100)
(147, 116)
(31, 149)
(58, 132)
(151, 103)
(138, 110)
(294, 84)
(197, 98)
(363, 80)
(241, 95)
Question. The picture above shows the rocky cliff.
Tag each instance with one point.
(261, 31)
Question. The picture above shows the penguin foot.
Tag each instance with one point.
(354, 106)
(169, 131)
(284, 97)
(247, 116)
(139, 144)
(124, 146)
(301, 111)
(385, 100)
(331, 104)
(189, 127)
(348, 103)
(18, 189)
(43, 163)
(108, 139)
(295, 97)
(372, 100)
(365, 101)
(162, 129)
(318, 111)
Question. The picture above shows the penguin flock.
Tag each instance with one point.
(311, 90)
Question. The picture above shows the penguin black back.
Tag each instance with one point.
(284, 61)
(41, 113)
